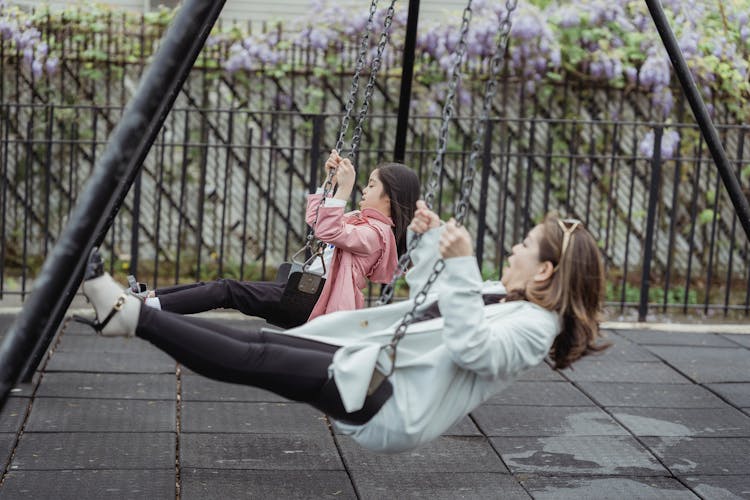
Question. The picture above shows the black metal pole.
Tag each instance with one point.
(103, 194)
(739, 200)
(407, 73)
(653, 198)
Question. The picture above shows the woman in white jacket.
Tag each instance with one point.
(448, 363)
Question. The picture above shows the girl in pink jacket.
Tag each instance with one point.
(362, 244)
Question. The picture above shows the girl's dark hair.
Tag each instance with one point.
(575, 291)
(401, 186)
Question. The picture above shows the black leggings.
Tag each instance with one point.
(292, 367)
(254, 298)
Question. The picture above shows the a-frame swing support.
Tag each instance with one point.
(30, 335)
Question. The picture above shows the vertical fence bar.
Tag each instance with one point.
(135, 226)
(693, 220)
(3, 190)
(653, 196)
(28, 337)
(483, 190)
(407, 73)
(728, 291)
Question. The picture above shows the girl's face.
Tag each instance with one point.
(373, 196)
(524, 265)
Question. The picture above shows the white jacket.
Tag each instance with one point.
(445, 366)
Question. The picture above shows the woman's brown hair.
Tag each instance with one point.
(575, 290)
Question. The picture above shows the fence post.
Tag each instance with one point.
(29, 336)
(317, 136)
(653, 197)
(483, 188)
(407, 73)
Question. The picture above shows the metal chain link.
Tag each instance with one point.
(369, 89)
(354, 90)
(467, 184)
(363, 46)
(437, 165)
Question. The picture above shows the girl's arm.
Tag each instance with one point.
(360, 239)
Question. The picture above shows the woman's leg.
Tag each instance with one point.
(259, 298)
(292, 367)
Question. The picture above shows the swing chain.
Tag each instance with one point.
(369, 89)
(496, 66)
(461, 209)
(374, 68)
(437, 165)
(363, 44)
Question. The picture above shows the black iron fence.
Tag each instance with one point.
(222, 193)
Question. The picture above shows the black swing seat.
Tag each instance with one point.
(303, 287)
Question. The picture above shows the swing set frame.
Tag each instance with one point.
(34, 328)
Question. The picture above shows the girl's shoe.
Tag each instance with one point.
(118, 308)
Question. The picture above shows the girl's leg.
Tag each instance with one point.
(292, 367)
(261, 298)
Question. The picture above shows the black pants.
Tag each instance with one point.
(254, 298)
(292, 367)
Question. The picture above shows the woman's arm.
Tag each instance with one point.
(499, 349)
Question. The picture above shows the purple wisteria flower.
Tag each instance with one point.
(670, 142)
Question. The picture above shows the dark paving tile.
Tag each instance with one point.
(111, 362)
(25, 389)
(89, 484)
(108, 386)
(708, 364)
(727, 422)
(259, 451)
(202, 484)
(653, 337)
(541, 372)
(602, 371)
(580, 455)
(613, 394)
(743, 340)
(13, 414)
(720, 487)
(737, 394)
(540, 394)
(262, 418)
(6, 446)
(576, 488)
(545, 421)
(687, 456)
(85, 450)
(100, 344)
(377, 485)
(622, 349)
(464, 427)
(101, 415)
(198, 388)
(445, 454)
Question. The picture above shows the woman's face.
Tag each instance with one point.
(524, 265)
(373, 195)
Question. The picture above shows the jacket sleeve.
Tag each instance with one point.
(498, 350)
(361, 239)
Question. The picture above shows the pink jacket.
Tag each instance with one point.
(365, 249)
